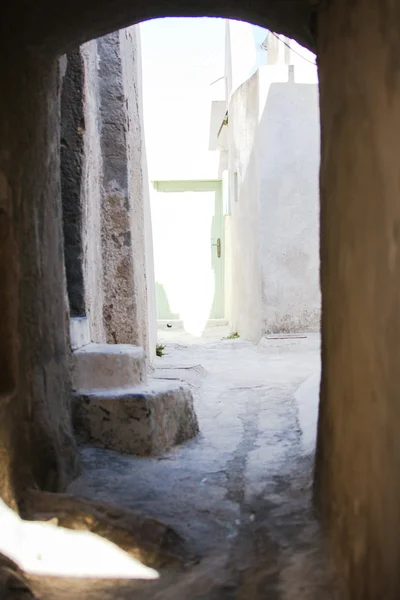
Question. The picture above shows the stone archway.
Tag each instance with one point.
(30, 172)
(357, 468)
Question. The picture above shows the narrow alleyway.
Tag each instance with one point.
(240, 492)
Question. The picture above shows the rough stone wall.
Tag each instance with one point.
(124, 306)
(81, 180)
(106, 191)
(36, 442)
(72, 156)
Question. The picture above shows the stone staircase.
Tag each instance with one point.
(116, 407)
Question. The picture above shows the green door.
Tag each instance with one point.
(188, 242)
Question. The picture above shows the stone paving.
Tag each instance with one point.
(240, 491)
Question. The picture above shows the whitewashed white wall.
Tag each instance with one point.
(273, 230)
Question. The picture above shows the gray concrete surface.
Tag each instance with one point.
(240, 491)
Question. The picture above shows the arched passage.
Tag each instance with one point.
(358, 44)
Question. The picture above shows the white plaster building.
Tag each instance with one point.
(271, 137)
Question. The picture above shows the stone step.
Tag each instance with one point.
(144, 420)
(108, 366)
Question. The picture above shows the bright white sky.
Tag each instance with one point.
(181, 58)
(192, 49)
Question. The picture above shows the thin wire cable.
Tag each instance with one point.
(219, 79)
(293, 50)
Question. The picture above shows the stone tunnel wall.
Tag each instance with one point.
(358, 47)
(36, 443)
(358, 449)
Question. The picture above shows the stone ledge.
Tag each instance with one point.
(143, 420)
(107, 366)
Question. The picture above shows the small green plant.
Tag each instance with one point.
(232, 336)
(160, 349)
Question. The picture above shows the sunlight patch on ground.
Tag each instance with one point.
(45, 549)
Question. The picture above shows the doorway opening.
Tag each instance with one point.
(201, 218)
(244, 114)
(188, 237)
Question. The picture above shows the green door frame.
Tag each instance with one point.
(205, 185)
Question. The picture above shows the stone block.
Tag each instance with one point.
(108, 366)
(144, 420)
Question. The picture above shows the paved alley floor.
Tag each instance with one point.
(240, 492)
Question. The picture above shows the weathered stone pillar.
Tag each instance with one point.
(122, 229)
(358, 455)
(107, 227)
(36, 443)
(81, 184)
